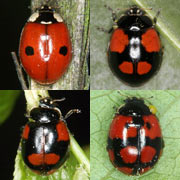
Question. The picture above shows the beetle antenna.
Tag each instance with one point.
(123, 94)
(149, 97)
(72, 111)
(59, 100)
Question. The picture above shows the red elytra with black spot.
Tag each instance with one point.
(135, 51)
(135, 140)
(45, 140)
(45, 46)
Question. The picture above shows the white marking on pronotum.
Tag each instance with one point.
(134, 28)
(58, 17)
(43, 22)
(33, 17)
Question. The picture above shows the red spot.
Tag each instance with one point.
(151, 126)
(131, 132)
(118, 126)
(150, 40)
(129, 154)
(26, 132)
(62, 131)
(119, 41)
(147, 154)
(36, 159)
(51, 158)
(40, 159)
(126, 67)
(111, 155)
(143, 68)
(125, 170)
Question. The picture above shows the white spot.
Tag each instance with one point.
(48, 40)
(134, 28)
(33, 17)
(135, 48)
(58, 17)
(142, 138)
(133, 151)
(39, 139)
(44, 119)
(125, 136)
(43, 22)
(49, 139)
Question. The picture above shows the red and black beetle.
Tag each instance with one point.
(45, 140)
(135, 140)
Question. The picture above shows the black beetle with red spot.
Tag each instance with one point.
(135, 51)
(45, 140)
(135, 140)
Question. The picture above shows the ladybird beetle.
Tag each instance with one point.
(45, 46)
(135, 140)
(45, 140)
(135, 51)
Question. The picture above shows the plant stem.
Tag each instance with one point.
(79, 154)
(33, 96)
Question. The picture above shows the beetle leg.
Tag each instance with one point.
(102, 29)
(19, 71)
(114, 15)
(155, 18)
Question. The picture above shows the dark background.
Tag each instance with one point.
(10, 131)
(13, 15)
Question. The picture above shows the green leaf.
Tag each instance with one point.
(102, 106)
(167, 24)
(7, 101)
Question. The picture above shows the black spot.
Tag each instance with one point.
(29, 51)
(148, 125)
(63, 50)
(138, 121)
